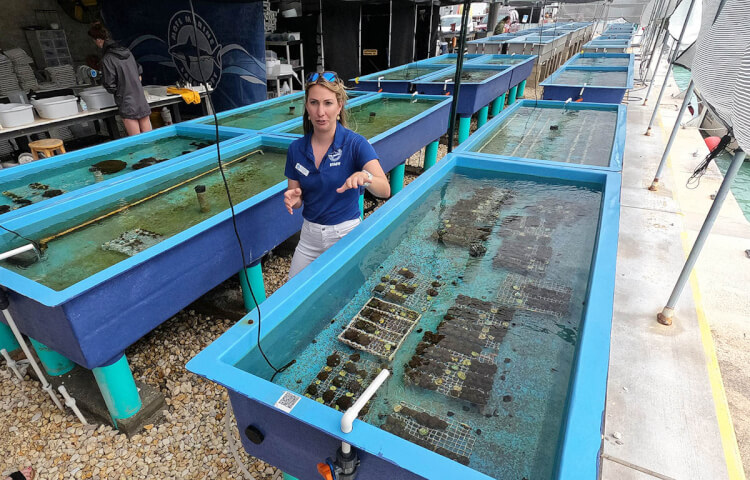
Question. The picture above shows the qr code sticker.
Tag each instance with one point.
(287, 401)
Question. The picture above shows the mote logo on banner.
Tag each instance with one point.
(195, 50)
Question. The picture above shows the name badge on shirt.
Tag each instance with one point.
(302, 169)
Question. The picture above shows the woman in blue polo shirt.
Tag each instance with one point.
(326, 169)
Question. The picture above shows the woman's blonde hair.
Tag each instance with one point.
(338, 89)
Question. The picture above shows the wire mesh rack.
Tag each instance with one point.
(537, 296)
(379, 328)
(442, 435)
(342, 379)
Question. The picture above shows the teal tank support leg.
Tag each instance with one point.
(288, 477)
(7, 340)
(397, 179)
(118, 388)
(54, 363)
(482, 117)
(521, 89)
(255, 275)
(512, 95)
(362, 206)
(464, 127)
(497, 105)
(430, 154)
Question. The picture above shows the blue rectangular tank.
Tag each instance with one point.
(475, 94)
(29, 187)
(395, 134)
(398, 79)
(589, 84)
(297, 431)
(91, 310)
(587, 135)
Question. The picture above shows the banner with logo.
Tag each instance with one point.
(225, 47)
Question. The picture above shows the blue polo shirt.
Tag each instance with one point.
(348, 153)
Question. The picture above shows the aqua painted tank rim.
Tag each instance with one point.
(581, 436)
(38, 166)
(618, 144)
(51, 298)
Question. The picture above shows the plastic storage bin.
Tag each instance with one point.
(56, 107)
(97, 98)
(15, 114)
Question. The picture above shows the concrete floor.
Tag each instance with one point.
(674, 391)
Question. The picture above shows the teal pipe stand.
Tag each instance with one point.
(288, 477)
(7, 340)
(482, 117)
(512, 95)
(255, 275)
(362, 206)
(54, 363)
(397, 179)
(521, 89)
(430, 154)
(464, 126)
(497, 105)
(118, 388)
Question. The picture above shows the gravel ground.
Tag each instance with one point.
(190, 442)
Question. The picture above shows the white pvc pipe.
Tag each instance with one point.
(19, 338)
(12, 364)
(71, 403)
(347, 420)
(379, 79)
(16, 251)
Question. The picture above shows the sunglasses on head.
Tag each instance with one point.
(327, 76)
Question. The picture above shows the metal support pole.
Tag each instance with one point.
(397, 179)
(671, 64)
(666, 315)
(255, 276)
(457, 77)
(430, 154)
(482, 116)
(664, 47)
(688, 93)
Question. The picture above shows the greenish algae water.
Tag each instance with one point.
(469, 75)
(389, 112)
(409, 73)
(74, 175)
(80, 254)
(259, 118)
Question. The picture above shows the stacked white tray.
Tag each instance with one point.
(8, 80)
(62, 76)
(22, 66)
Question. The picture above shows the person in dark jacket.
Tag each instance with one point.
(121, 77)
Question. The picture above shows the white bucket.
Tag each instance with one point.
(56, 107)
(97, 98)
(15, 114)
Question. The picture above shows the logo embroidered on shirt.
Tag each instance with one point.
(335, 157)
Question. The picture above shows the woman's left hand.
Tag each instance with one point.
(356, 180)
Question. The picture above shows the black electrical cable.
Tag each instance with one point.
(695, 178)
(457, 76)
(36, 244)
(276, 371)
